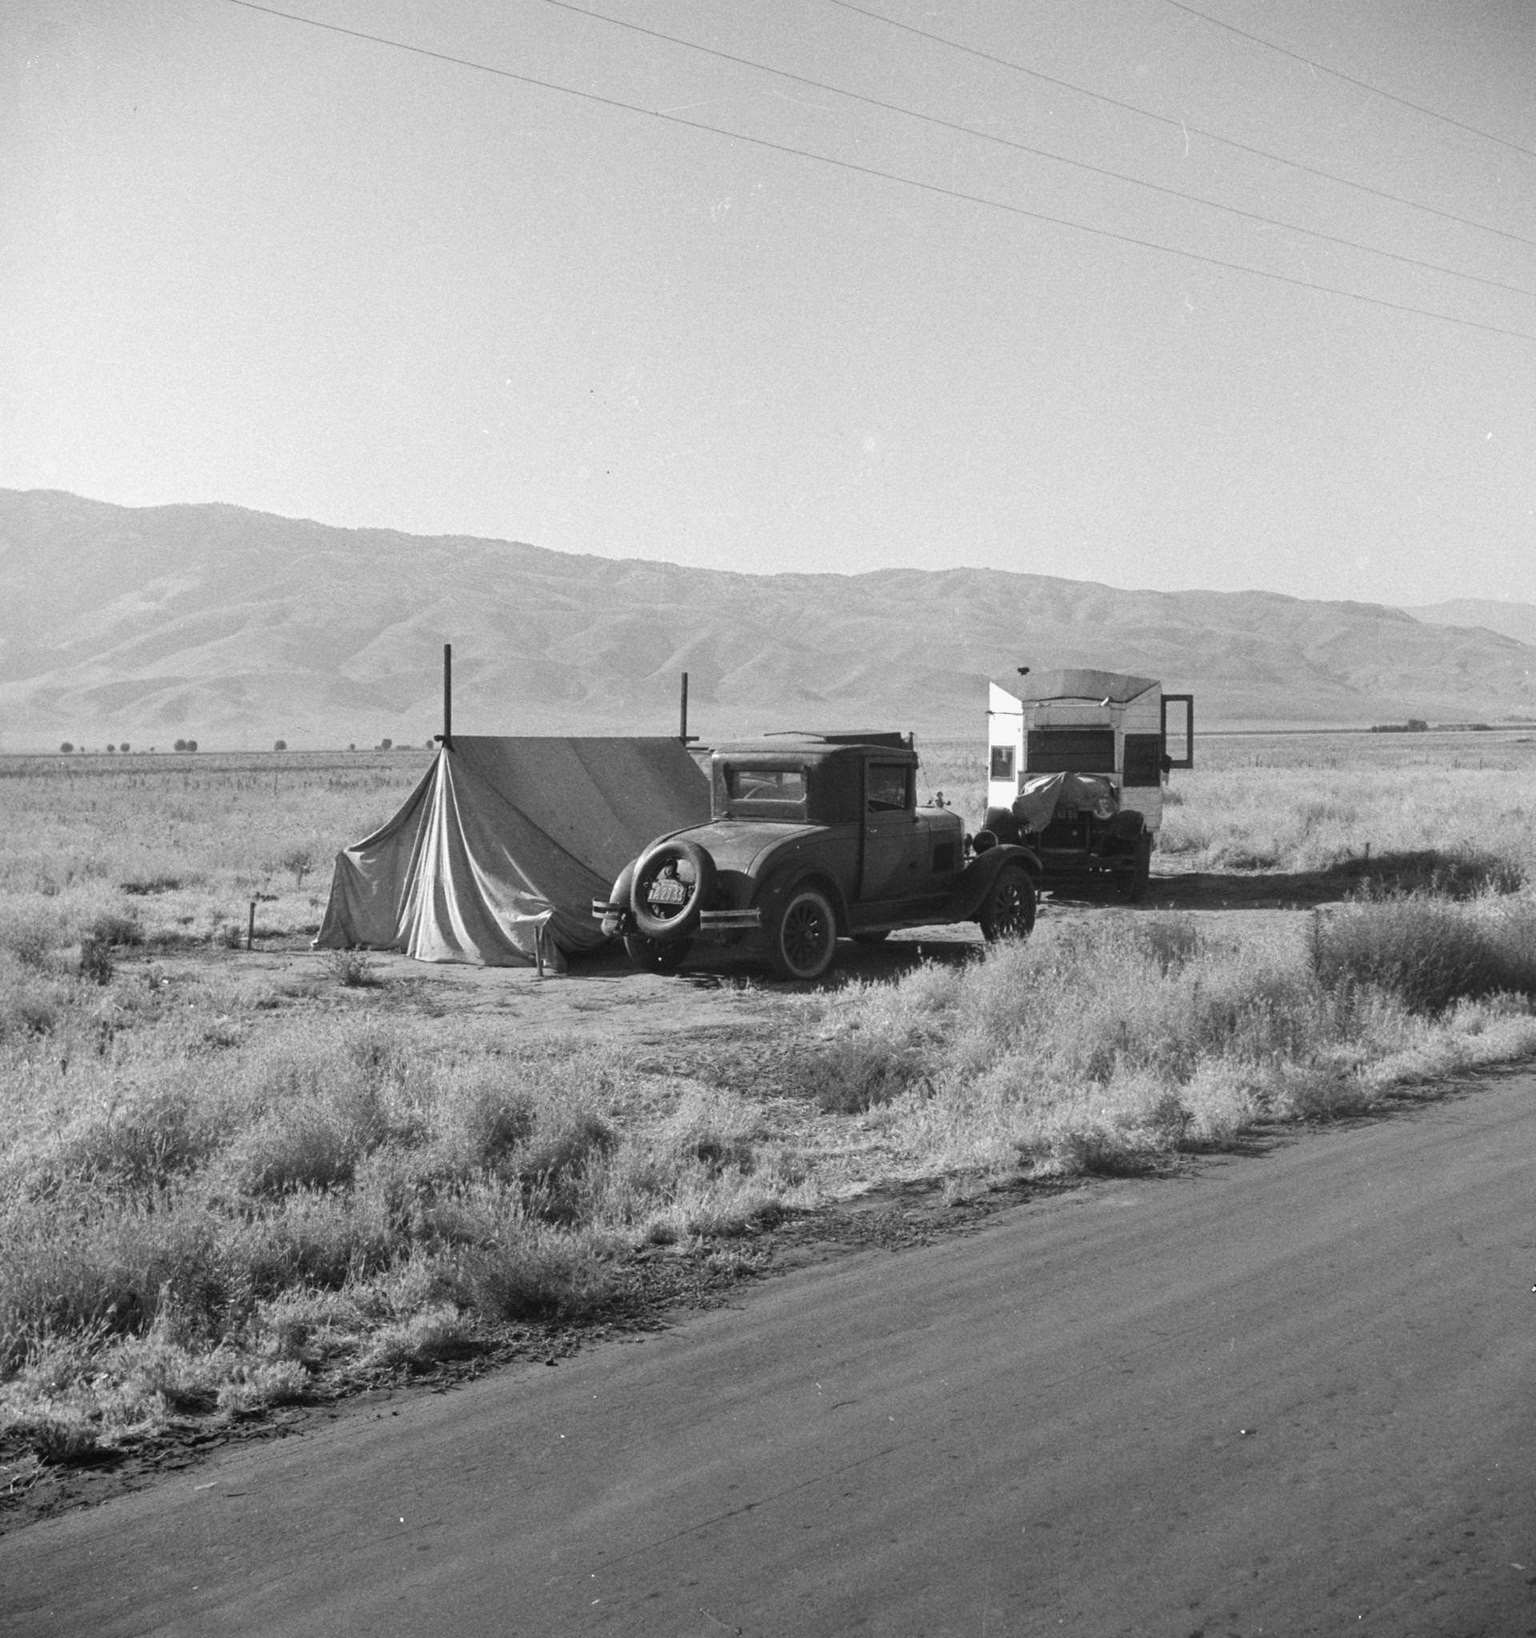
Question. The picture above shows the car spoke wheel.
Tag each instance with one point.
(804, 935)
(1008, 911)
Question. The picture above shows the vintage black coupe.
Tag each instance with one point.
(814, 837)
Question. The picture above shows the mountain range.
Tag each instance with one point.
(239, 628)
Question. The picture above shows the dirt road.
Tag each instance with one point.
(1290, 1393)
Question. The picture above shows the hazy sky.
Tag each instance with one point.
(245, 259)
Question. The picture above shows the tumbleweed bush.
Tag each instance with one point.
(1430, 953)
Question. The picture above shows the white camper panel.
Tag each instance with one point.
(1005, 745)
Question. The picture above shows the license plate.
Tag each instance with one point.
(667, 893)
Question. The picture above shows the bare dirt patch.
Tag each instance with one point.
(602, 996)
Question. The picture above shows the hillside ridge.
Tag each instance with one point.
(238, 627)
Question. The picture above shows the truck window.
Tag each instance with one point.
(1070, 750)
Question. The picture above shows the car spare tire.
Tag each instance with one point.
(671, 885)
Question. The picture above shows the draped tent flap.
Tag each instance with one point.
(505, 843)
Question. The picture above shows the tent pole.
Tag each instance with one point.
(447, 693)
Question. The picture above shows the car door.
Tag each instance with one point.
(895, 864)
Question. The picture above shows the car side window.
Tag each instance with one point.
(890, 786)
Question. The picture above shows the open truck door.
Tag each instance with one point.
(1178, 731)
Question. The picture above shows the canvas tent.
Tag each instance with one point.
(499, 851)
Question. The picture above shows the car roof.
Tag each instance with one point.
(794, 742)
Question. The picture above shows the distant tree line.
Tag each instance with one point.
(67, 747)
(124, 748)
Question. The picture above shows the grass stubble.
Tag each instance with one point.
(216, 1199)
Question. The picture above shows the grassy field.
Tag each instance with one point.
(218, 1195)
(184, 844)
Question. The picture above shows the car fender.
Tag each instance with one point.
(781, 882)
(979, 875)
(625, 882)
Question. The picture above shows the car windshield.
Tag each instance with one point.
(765, 784)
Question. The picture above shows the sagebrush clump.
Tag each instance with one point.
(436, 1188)
(1103, 1043)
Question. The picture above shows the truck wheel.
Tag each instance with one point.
(803, 935)
(654, 957)
(672, 884)
(1008, 910)
(1133, 882)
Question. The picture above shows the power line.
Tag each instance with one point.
(884, 176)
(1182, 125)
(1349, 79)
(1038, 153)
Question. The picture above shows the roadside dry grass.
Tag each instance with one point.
(212, 1198)
(1110, 1043)
(216, 1198)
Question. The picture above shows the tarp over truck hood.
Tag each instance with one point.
(1041, 795)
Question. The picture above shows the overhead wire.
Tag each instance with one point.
(1181, 125)
(855, 168)
(1038, 153)
(1350, 79)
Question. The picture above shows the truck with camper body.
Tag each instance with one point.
(1076, 761)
